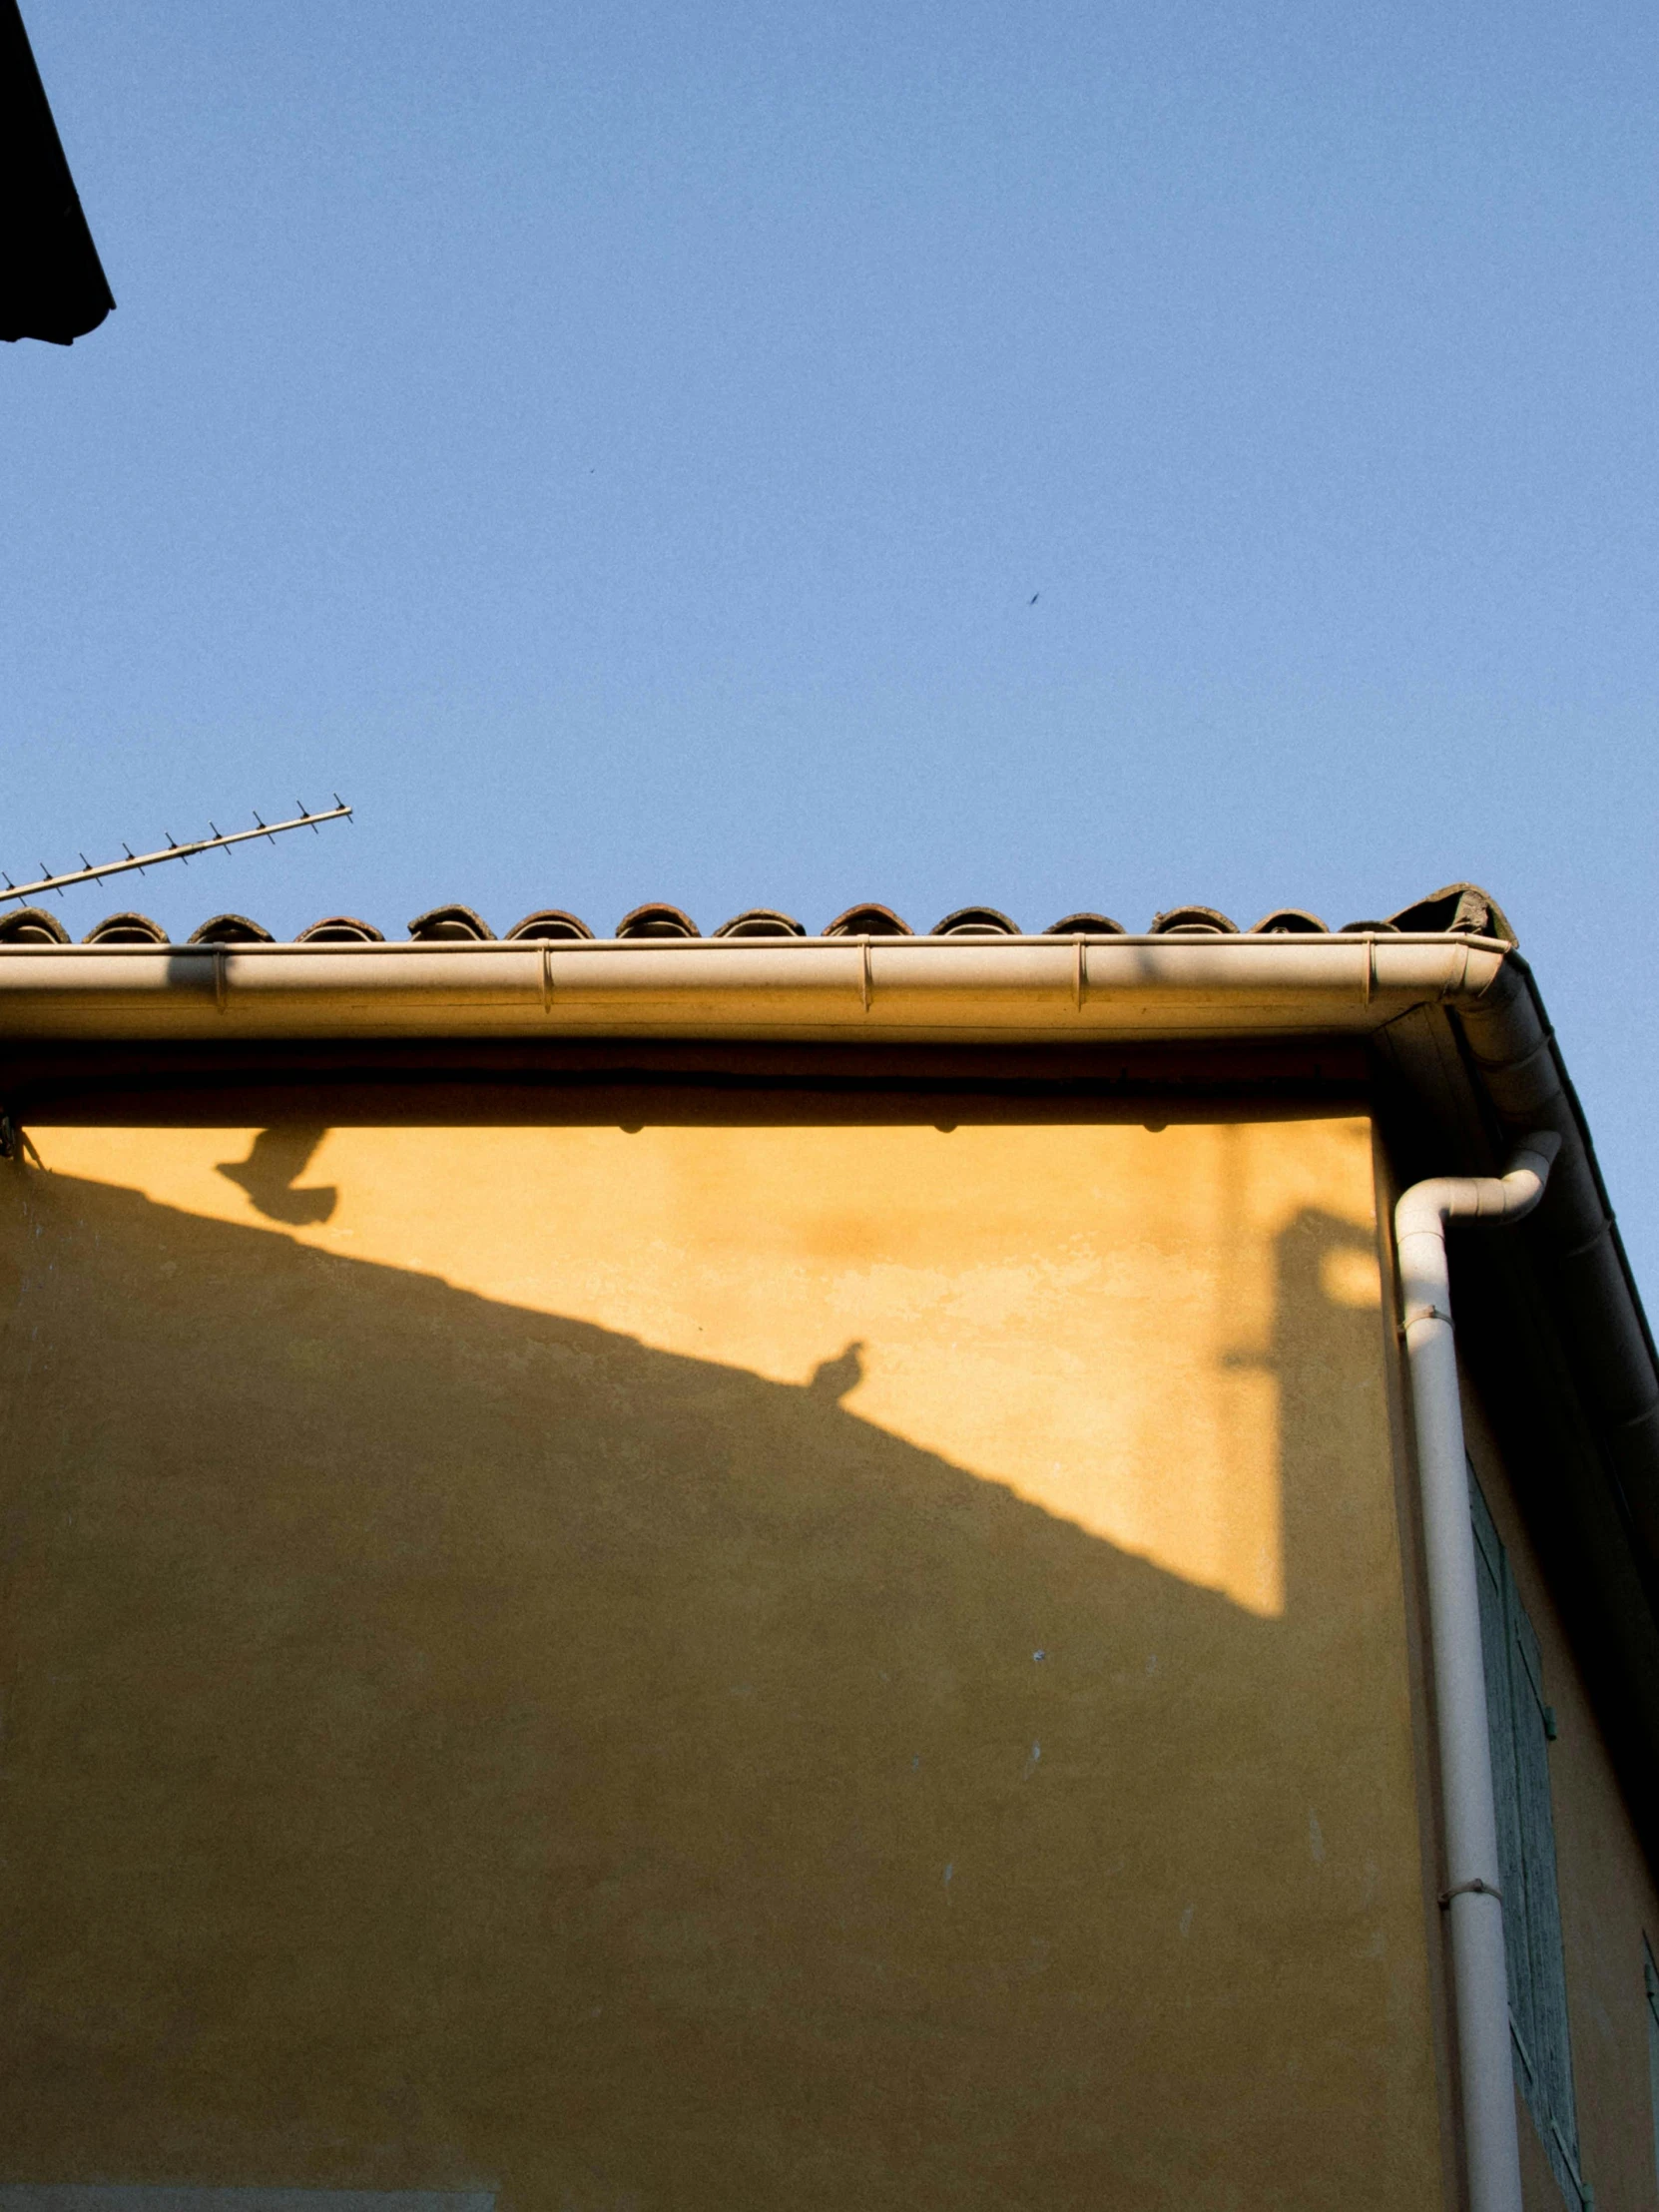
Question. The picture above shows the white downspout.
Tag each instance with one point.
(1472, 1896)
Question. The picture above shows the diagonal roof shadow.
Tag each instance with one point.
(450, 1745)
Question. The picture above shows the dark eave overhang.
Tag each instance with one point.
(1553, 1335)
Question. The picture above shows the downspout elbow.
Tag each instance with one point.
(1423, 1211)
(1513, 1194)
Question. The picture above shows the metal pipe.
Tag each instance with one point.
(1472, 1897)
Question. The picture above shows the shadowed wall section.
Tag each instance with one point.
(455, 1745)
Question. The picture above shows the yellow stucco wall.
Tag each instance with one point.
(840, 1662)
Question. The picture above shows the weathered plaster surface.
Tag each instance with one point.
(809, 1665)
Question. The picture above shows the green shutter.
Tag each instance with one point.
(1516, 1718)
(1551, 2052)
(1493, 1575)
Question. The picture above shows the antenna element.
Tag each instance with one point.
(172, 851)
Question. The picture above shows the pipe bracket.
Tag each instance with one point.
(1477, 1887)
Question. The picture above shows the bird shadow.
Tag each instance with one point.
(839, 1377)
(268, 1175)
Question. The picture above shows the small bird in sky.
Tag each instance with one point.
(1033, 601)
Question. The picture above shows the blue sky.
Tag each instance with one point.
(618, 445)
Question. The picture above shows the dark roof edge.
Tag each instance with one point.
(1555, 1337)
(1514, 1055)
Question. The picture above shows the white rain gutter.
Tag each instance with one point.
(1473, 1894)
(1033, 989)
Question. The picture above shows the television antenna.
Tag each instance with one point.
(220, 842)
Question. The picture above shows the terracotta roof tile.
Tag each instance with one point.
(32, 926)
(126, 930)
(1194, 922)
(451, 925)
(1289, 921)
(1085, 925)
(869, 921)
(550, 921)
(341, 929)
(657, 922)
(230, 929)
(761, 922)
(975, 921)
(1458, 907)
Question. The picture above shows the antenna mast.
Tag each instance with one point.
(172, 851)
